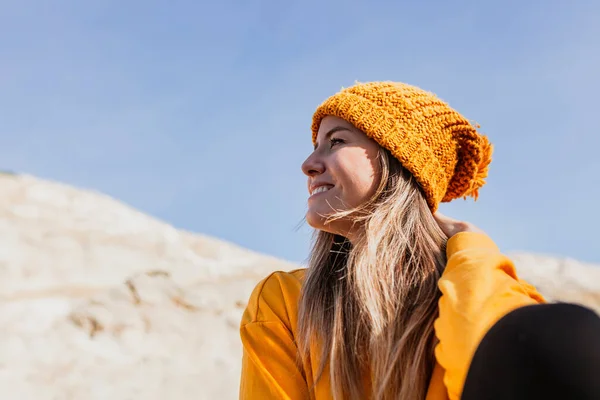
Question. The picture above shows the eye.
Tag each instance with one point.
(334, 141)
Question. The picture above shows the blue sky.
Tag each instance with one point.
(198, 113)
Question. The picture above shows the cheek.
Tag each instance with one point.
(366, 184)
(361, 180)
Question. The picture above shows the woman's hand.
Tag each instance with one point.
(452, 226)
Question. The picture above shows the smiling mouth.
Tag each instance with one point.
(321, 189)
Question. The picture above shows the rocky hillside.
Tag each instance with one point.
(99, 301)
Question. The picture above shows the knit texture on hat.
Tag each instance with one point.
(445, 153)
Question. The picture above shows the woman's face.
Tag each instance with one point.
(343, 172)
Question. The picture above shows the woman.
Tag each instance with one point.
(397, 298)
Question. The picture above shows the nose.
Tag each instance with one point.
(313, 165)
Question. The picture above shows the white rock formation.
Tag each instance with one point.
(99, 301)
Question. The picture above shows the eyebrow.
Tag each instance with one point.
(332, 131)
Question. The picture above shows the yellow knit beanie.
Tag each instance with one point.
(445, 153)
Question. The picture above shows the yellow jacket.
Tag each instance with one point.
(479, 286)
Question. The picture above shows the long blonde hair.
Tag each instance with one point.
(371, 305)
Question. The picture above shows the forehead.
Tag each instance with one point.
(330, 122)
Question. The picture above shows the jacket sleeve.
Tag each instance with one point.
(479, 286)
(269, 366)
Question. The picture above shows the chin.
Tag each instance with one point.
(317, 221)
